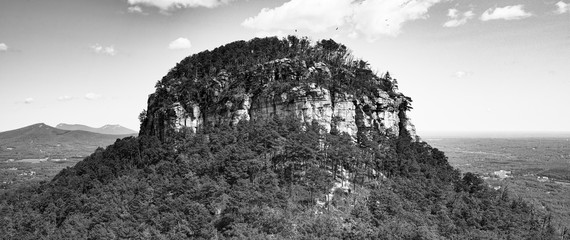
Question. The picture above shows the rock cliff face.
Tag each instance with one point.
(310, 90)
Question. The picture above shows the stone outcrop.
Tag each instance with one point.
(309, 103)
(321, 85)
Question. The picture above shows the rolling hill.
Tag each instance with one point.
(107, 129)
(41, 141)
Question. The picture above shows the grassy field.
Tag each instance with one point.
(529, 160)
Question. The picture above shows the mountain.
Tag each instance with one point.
(107, 129)
(272, 139)
(264, 78)
(40, 141)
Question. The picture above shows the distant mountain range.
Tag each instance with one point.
(41, 141)
(107, 129)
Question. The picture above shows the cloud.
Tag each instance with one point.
(562, 7)
(136, 9)
(166, 5)
(110, 50)
(64, 98)
(353, 35)
(515, 12)
(3, 47)
(462, 74)
(457, 19)
(180, 43)
(92, 96)
(315, 15)
(370, 18)
(386, 17)
(28, 100)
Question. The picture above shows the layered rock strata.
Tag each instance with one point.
(341, 94)
(310, 103)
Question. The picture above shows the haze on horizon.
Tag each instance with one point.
(480, 66)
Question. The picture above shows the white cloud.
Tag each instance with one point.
(457, 19)
(166, 5)
(136, 9)
(109, 50)
(353, 35)
(460, 74)
(515, 12)
(315, 15)
(368, 18)
(92, 96)
(180, 43)
(64, 98)
(386, 17)
(452, 13)
(562, 7)
(3, 47)
(28, 100)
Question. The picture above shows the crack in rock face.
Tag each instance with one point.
(309, 104)
(316, 84)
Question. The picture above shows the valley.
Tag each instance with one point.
(15, 174)
(539, 168)
(38, 152)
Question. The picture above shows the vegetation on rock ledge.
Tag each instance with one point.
(261, 69)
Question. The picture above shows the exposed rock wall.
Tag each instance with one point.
(318, 84)
(309, 103)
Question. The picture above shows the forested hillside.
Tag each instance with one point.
(270, 177)
(264, 180)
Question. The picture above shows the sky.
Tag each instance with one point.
(469, 66)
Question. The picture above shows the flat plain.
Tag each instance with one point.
(537, 169)
(15, 174)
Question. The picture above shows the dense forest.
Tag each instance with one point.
(276, 178)
(271, 179)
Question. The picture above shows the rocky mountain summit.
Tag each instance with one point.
(263, 78)
(328, 153)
